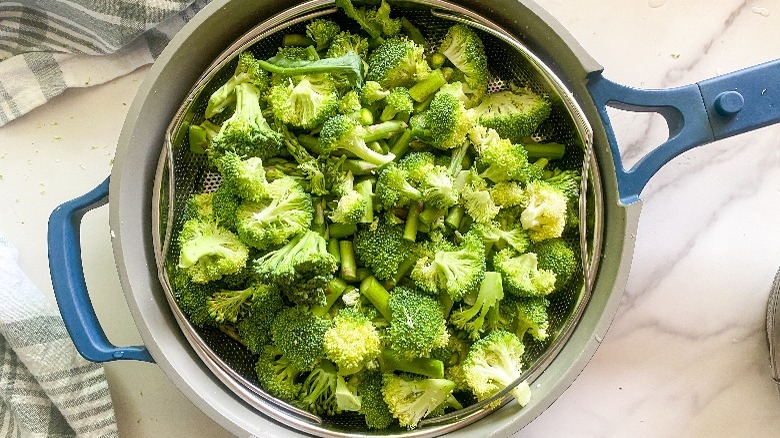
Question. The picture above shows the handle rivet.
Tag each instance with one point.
(729, 103)
(118, 354)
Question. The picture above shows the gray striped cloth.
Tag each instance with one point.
(46, 388)
(48, 46)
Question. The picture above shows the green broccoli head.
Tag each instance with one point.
(393, 188)
(318, 390)
(522, 275)
(557, 256)
(528, 315)
(514, 114)
(398, 104)
(341, 132)
(304, 102)
(417, 325)
(254, 328)
(507, 193)
(397, 62)
(501, 161)
(226, 306)
(445, 124)
(345, 42)
(350, 103)
(544, 211)
(191, 297)
(273, 222)
(207, 252)
(353, 342)
(199, 206)
(494, 363)
(277, 375)
(322, 31)
(299, 336)
(350, 208)
(502, 235)
(302, 268)
(465, 50)
(438, 188)
(372, 92)
(246, 132)
(382, 249)
(410, 399)
(372, 403)
(476, 197)
(454, 271)
(247, 71)
(475, 319)
(246, 176)
(225, 202)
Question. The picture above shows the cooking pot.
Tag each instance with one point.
(696, 114)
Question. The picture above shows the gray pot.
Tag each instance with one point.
(697, 114)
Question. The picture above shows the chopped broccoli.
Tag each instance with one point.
(228, 305)
(350, 208)
(501, 160)
(398, 104)
(465, 50)
(344, 133)
(299, 335)
(192, 298)
(305, 101)
(372, 404)
(393, 188)
(529, 315)
(277, 374)
(475, 319)
(246, 132)
(391, 361)
(544, 211)
(476, 197)
(417, 324)
(318, 390)
(302, 268)
(397, 62)
(207, 252)
(372, 92)
(557, 256)
(502, 235)
(434, 181)
(270, 223)
(225, 202)
(254, 328)
(201, 136)
(246, 176)
(494, 363)
(445, 124)
(507, 193)
(382, 249)
(453, 271)
(514, 114)
(410, 399)
(522, 275)
(322, 31)
(348, 66)
(353, 342)
(247, 71)
(345, 42)
(199, 206)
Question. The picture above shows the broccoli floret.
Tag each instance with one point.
(557, 256)
(254, 329)
(246, 176)
(472, 319)
(465, 50)
(500, 159)
(322, 31)
(476, 197)
(270, 223)
(568, 181)
(453, 271)
(397, 62)
(501, 235)
(199, 206)
(391, 361)
(345, 42)
(201, 136)
(302, 268)
(246, 132)
(529, 315)
(507, 193)
(318, 391)
(350, 103)
(353, 342)
(522, 275)
(375, 22)
(229, 305)
(372, 92)
(350, 208)
(398, 104)
(434, 181)
(495, 362)
(225, 202)
(207, 252)
(544, 211)
(417, 324)
(514, 114)
(372, 403)
(445, 124)
(344, 133)
(389, 26)
(192, 298)
(382, 249)
(410, 399)
(305, 101)
(299, 335)
(247, 71)
(277, 374)
(393, 188)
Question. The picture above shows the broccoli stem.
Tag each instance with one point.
(430, 214)
(455, 216)
(413, 33)
(318, 223)
(456, 162)
(363, 273)
(436, 60)
(358, 167)
(383, 130)
(348, 264)
(412, 221)
(365, 117)
(422, 106)
(551, 151)
(390, 361)
(296, 40)
(366, 190)
(340, 231)
(376, 295)
(333, 292)
(404, 268)
(427, 86)
(333, 248)
(310, 142)
(401, 145)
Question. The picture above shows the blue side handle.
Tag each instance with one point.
(696, 114)
(70, 287)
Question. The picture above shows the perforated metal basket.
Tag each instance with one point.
(182, 173)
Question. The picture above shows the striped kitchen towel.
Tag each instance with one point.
(46, 388)
(48, 46)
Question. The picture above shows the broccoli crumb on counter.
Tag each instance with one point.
(386, 238)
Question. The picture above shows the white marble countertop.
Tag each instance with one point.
(686, 354)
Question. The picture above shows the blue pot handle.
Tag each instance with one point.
(70, 288)
(696, 114)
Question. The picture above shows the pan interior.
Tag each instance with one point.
(183, 173)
